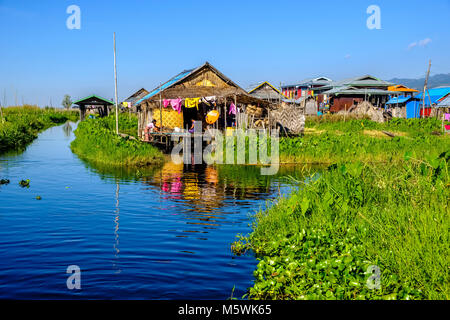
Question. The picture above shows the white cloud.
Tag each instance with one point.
(420, 43)
(347, 56)
(412, 45)
(424, 42)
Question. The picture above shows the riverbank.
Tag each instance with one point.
(323, 241)
(97, 142)
(330, 139)
(20, 125)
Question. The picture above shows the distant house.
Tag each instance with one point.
(416, 109)
(398, 105)
(304, 88)
(266, 91)
(131, 100)
(93, 102)
(405, 91)
(341, 95)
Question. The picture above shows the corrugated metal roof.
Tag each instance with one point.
(435, 95)
(364, 81)
(164, 86)
(400, 99)
(309, 82)
(95, 97)
(445, 102)
(359, 91)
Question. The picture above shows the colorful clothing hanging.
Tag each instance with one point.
(232, 109)
(191, 103)
(209, 99)
(176, 104)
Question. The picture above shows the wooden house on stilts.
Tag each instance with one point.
(190, 95)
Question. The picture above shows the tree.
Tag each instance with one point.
(67, 103)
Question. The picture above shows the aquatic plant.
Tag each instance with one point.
(24, 183)
(23, 123)
(363, 140)
(322, 241)
(97, 142)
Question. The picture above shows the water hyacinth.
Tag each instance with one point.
(323, 240)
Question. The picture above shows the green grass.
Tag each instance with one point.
(330, 140)
(319, 242)
(21, 125)
(97, 142)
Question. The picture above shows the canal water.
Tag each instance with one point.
(155, 233)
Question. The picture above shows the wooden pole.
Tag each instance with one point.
(225, 113)
(425, 89)
(160, 109)
(115, 86)
(237, 113)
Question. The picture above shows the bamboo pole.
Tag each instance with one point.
(115, 86)
(160, 109)
(425, 89)
(237, 112)
(225, 114)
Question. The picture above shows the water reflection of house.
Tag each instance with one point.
(201, 187)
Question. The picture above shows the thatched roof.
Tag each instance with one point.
(266, 91)
(138, 94)
(203, 81)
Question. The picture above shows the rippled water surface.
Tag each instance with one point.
(158, 233)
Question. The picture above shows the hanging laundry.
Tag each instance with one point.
(209, 99)
(232, 109)
(191, 103)
(166, 102)
(176, 104)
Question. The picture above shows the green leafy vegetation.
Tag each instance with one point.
(330, 140)
(21, 125)
(24, 183)
(97, 142)
(321, 241)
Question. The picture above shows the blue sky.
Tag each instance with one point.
(249, 41)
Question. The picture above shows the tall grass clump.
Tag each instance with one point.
(323, 241)
(363, 140)
(20, 125)
(97, 142)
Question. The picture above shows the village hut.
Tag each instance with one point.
(190, 95)
(93, 103)
(266, 91)
(130, 101)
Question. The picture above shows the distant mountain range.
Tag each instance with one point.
(437, 80)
